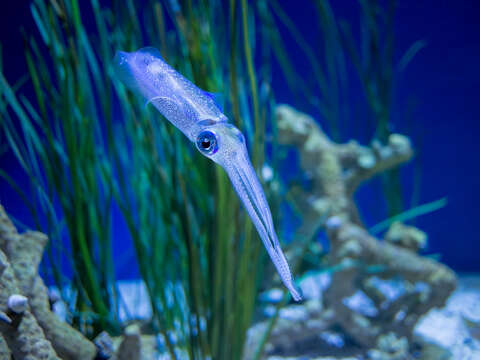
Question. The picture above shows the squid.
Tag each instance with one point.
(196, 114)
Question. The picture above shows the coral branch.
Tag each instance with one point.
(336, 171)
(367, 162)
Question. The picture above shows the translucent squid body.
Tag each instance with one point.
(195, 113)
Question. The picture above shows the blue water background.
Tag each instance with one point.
(443, 80)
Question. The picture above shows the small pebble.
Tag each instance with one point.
(17, 303)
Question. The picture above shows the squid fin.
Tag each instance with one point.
(217, 98)
(151, 51)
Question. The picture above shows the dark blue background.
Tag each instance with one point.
(444, 79)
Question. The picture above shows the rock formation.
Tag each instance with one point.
(28, 328)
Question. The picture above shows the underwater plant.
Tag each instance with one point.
(89, 149)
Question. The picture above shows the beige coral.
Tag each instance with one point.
(336, 170)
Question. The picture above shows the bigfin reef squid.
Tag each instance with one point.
(196, 113)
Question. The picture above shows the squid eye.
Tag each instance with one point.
(207, 143)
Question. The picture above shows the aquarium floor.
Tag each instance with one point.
(456, 327)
